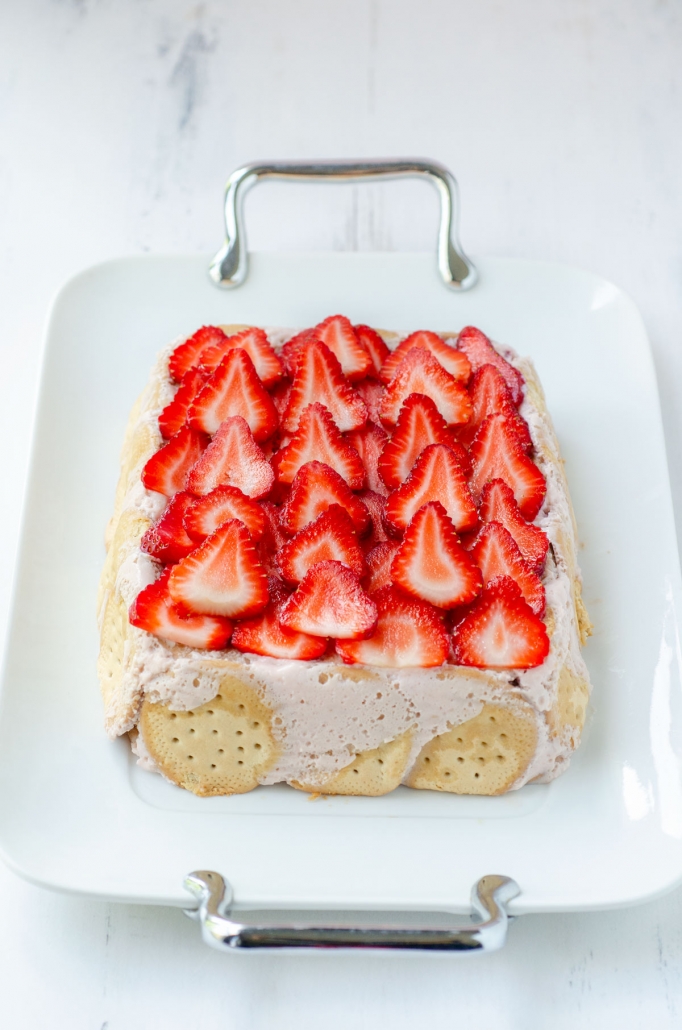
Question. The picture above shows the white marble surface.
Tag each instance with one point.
(119, 120)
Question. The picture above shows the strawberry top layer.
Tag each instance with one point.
(316, 497)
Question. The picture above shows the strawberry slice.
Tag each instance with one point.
(314, 488)
(419, 372)
(369, 442)
(318, 377)
(234, 389)
(480, 351)
(453, 361)
(154, 611)
(340, 336)
(174, 415)
(496, 454)
(203, 516)
(280, 397)
(374, 345)
(497, 554)
(265, 635)
(166, 471)
(186, 355)
(499, 505)
(376, 506)
(318, 438)
(409, 633)
(294, 348)
(432, 564)
(501, 631)
(372, 393)
(223, 576)
(379, 561)
(167, 540)
(273, 540)
(489, 395)
(436, 476)
(419, 424)
(330, 602)
(234, 458)
(331, 537)
(268, 366)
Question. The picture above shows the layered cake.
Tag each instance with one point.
(343, 559)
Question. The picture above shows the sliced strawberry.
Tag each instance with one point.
(232, 458)
(318, 377)
(294, 347)
(419, 424)
(167, 540)
(273, 540)
(497, 554)
(496, 454)
(186, 355)
(480, 351)
(490, 394)
(330, 602)
(379, 561)
(223, 576)
(220, 505)
(268, 366)
(499, 505)
(318, 438)
(314, 488)
(372, 393)
(174, 415)
(265, 635)
(280, 397)
(376, 506)
(453, 361)
(234, 389)
(419, 372)
(369, 443)
(501, 631)
(154, 611)
(409, 633)
(340, 336)
(166, 471)
(432, 564)
(375, 347)
(436, 476)
(331, 537)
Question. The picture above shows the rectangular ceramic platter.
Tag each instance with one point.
(76, 813)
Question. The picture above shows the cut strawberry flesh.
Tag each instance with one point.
(378, 562)
(409, 632)
(375, 347)
(294, 348)
(232, 458)
(234, 389)
(266, 636)
(375, 504)
(331, 537)
(318, 438)
(205, 515)
(497, 454)
(372, 393)
(497, 554)
(154, 611)
(369, 443)
(499, 505)
(480, 351)
(273, 540)
(453, 361)
(338, 334)
(318, 377)
(419, 372)
(167, 469)
(186, 355)
(501, 631)
(436, 476)
(167, 540)
(268, 366)
(223, 576)
(432, 564)
(174, 415)
(419, 424)
(330, 602)
(490, 395)
(315, 487)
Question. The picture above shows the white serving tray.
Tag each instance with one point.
(76, 813)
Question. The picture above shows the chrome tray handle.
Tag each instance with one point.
(229, 267)
(222, 928)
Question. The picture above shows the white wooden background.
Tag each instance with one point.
(119, 121)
